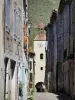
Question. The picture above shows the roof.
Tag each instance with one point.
(41, 25)
(40, 37)
(31, 54)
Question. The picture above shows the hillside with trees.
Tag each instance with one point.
(37, 8)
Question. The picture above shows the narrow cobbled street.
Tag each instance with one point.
(50, 96)
(37, 49)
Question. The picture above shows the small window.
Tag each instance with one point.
(25, 70)
(41, 68)
(65, 53)
(30, 65)
(41, 56)
(31, 77)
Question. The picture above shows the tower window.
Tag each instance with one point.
(41, 56)
(41, 68)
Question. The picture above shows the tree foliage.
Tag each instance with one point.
(37, 8)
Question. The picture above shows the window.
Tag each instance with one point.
(31, 77)
(14, 23)
(30, 65)
(19, 27)
(25, 70)
(41, 56)
(65, 53)
(17, 24)
(12, 68)
(7, 22)
(41, 68)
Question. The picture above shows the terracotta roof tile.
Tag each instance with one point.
(40, 37)
(41, 25)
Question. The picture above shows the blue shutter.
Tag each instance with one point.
(14, 22)
(6, 12)
(18, 27)
(17, 24)
(19, 34)
(8, 15)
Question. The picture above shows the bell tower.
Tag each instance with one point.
(40, 56)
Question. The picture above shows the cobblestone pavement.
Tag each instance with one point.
(49, 96)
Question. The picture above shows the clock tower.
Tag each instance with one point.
(40, 54)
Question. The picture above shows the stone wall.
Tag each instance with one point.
(73, 38)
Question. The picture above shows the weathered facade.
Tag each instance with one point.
(51, 53)
(60, 62)
(11, 53)
(31, 72)
(48, 66)
(72, 40)
(66, 72)
(2, 68)
(65, 54)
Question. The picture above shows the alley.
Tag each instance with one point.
(49, 96)
(37, 49)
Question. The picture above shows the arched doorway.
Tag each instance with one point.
(40, 87)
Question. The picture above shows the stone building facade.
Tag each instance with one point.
(51, 53)
(12, 17)
(31, 72)
(66, 75)
(72, 38)
(48, 69)
(63, 48)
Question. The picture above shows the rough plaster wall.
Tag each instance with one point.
(60, 36)
(55, 54)
(66, 28)
(39, 74)
(1, 51)
(73, 18)
(73, 34)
